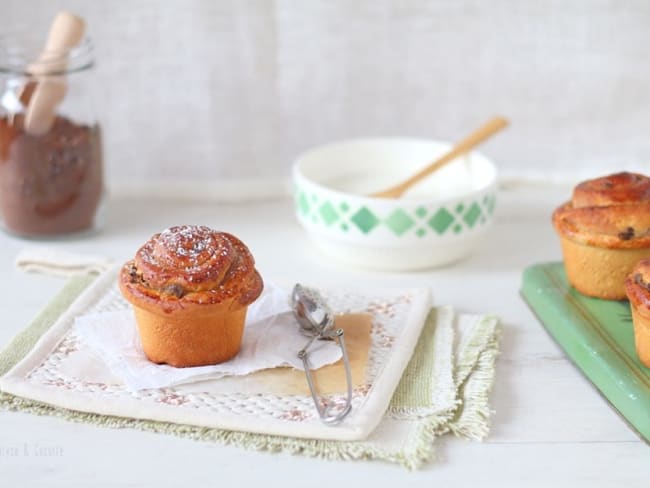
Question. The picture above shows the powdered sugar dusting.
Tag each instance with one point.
(188, 245)
(187, 259)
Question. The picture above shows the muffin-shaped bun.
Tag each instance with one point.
(637, 286)
(604, 231)
(190, 287)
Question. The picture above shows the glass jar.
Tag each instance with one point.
(51, 176)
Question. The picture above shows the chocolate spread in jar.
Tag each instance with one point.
(49, 184)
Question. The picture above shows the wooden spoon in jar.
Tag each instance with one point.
(66, 31)
(43, 95)
(471, 141)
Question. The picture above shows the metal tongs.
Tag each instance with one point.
(316, 321)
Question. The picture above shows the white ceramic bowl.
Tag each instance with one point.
(438, 222)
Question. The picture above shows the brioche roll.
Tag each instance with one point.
(604, 231)
(637, 287)
(190, 287)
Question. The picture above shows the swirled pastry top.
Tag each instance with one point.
(637, 287)
(612, 211)
(191, 264)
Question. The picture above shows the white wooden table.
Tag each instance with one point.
(550, 426)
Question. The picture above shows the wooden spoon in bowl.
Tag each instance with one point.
(474, 139)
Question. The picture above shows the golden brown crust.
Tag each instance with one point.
(611, 212)
(616, 189)
(191, 266)
(190, 339)
(637, 287)
(597, 271)
(641, 336)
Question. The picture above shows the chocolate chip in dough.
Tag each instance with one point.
(174, 289)
(627, 234)
(638, 279)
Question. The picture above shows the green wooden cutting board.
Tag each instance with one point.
(598, 337)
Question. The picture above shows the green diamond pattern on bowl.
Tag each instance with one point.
(472, 215)
(365, 220)
(328, 213)
(441, 220)
(399, 222)
(303, 203)
(456, 219)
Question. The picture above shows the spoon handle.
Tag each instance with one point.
(42, 94)
(474, 139)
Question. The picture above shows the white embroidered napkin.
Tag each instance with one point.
(61, 369)
(271, 339)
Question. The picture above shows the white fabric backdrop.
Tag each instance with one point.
(222, 90)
